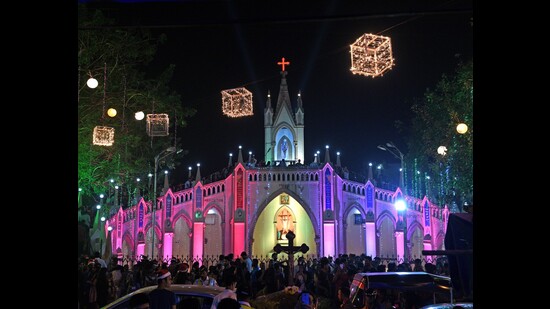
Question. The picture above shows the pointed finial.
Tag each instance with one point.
(240, 157)
(198, 177)
(327, 155)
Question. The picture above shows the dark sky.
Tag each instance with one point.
(218, 45)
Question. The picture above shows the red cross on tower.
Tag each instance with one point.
(283, 63)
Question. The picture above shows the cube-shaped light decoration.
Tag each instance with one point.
(371, 55)
(237, 102)
(104, 136)
(157, 124)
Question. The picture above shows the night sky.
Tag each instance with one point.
(218, 45)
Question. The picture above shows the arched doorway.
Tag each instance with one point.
(416, 242)
(212, 234)
(282, 211)
(181, 242)
(386, 230)
(148, 241)
(355, 233)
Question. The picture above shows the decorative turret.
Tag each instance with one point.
(268, 111)
(240, 157)
(198, 177)
(299, 111)
(327, 155)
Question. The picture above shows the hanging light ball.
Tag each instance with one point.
(92, 83)
(139, 115)
(461, 128)
(442, 150)
(111, 112)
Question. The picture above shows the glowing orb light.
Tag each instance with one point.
(461, 128)
(111, 112)
(371, 55)
(139, 115)
(157, 124)
(237, 102)
(92, 82)
(103, 136)
(442, 150)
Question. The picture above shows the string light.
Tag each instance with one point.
(158, 124)
(104, 136)
(237, 102)
(371, 55)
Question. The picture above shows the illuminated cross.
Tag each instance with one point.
(283, 63)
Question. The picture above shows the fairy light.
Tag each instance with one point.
(371, 55)
(157, 124)
(237, 102)
(103, 136)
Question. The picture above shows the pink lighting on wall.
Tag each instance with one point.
(370, 231)
(238, 243)
(140, 249)
(328, 231)
(167, 244)
(198, 239)
(400, 243)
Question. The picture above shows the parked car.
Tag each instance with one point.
(402, 290)
(185, 294)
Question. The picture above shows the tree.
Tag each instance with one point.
(436, 116)
(118, 59)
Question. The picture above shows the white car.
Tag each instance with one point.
(185, 294)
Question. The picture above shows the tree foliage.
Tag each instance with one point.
(436, 116)
(118, 59)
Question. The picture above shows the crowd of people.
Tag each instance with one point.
(326, 280)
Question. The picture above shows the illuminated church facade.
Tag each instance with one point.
(253, 207)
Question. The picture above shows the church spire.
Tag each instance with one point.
(284, 98)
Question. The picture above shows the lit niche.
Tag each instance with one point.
(103, 136)
(237, 102)
(157, 124)
(371, 55)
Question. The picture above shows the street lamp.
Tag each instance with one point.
(391, 148)
(166, 152)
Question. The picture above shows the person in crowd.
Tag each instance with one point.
(161, 297)
(205, 280)
(230, 284)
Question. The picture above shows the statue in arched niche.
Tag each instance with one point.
(284, 148)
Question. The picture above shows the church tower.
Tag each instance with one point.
(284, 128)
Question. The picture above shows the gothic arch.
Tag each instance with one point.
(385, 214)
(129, 240)
(266, 202)
(183, 214)
(356, 206)
(215, 206)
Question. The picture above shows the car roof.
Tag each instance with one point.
(186, 289)
(418, 281)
